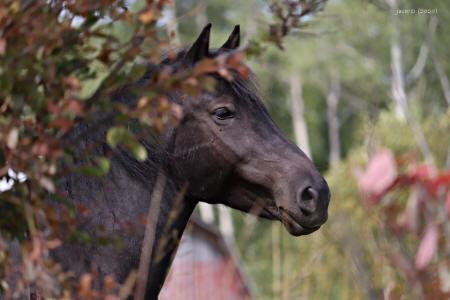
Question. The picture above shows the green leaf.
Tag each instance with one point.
(139, 151)
(122, 31)
(137, 71)
(255, 48)
(101, 167)
(89, 86)
(120, 135)
(90, 171)
(103, 164)
(117, 135)
(137, 6)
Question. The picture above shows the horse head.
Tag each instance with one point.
(230, 151)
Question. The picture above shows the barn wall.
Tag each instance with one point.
(203, 271)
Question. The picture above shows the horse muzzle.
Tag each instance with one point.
(305, 210)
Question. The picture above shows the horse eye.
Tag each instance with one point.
(223, 113)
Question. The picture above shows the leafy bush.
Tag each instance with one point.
(60, 61)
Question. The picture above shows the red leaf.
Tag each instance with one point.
(72, 82)
(434, 184)
(63, 123)
(52, 107)
(147, 16)
(235, 59)
(380, 174)
(420, 173)
(41, 148)
(443, 178)
(205, 66)
(85, 285)
(427, 247)
(74, 106)
(428, 177)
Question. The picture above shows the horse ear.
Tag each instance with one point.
(234, 39)
(200, 48)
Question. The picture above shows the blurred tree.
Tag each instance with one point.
(298, 113)
(344, 259)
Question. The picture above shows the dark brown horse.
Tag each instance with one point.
(226, 149)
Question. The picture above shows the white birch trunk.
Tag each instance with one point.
(298, 113)
(226, 223)
(398, 81)
(398, 87)
(333, 98)
(206, 212)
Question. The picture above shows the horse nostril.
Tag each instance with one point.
(308, 200)
(309, 194)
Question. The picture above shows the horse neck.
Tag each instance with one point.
(125, 194)
(167, 243)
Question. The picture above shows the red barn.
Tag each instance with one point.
(205, 268)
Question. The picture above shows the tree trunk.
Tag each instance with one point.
(286, 272)
(206, 212)
(398, 82)
(398, 87)
(298, 118)
(226, 223)
(442, 75)
(333, 121)
(276, 261)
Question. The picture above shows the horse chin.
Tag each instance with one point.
(293, 226)
(296, 229)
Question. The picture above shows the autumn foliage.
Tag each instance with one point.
(60, 62)
(419, 224)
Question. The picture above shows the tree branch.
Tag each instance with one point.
(443, 78)
(419, 66)
(149, 237)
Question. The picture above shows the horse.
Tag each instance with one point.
(225, 149)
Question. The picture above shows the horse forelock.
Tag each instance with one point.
(245, 88)
(242, 88)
